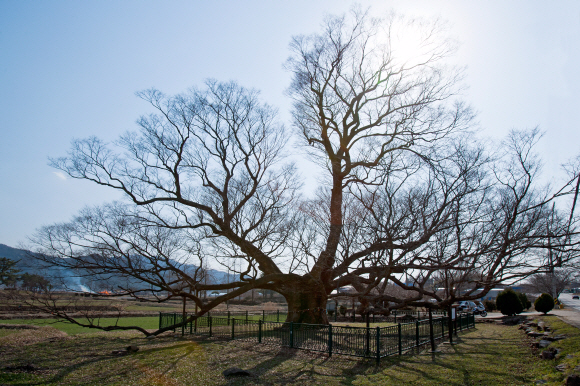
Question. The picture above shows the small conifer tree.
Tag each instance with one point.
(525, 301)
(508, 302)
(545, 303)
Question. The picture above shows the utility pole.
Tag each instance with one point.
(551, 258)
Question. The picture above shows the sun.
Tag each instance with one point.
(416, 41)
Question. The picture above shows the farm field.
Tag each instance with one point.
(490, 354)
(147, 322)
(110, 308)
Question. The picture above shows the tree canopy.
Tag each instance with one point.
(410, 199)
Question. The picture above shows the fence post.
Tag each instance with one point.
(278, 316)
(329, 340)
(431, 332)
(190, 326)
(210, 324)
(228, 317)
(174, 320)
(417, 333)
(233, 327)
(368, 341)
(378, 346)
(291, 334)
(259, 331)
(263, 314)
(160, 320)
(400, 339)
(246, 316)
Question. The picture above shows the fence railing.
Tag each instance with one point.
(280, 315)
(272, 316)
(367, 342)
(395, 316)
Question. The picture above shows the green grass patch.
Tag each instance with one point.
(489, 355)
(6, 332)
(569, 349)
(147, 322)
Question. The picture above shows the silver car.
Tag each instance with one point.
(476, 307)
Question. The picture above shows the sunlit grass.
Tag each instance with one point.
(489, 355)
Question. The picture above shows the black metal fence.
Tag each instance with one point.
(368, 342)
(272, 316)
(395, 316)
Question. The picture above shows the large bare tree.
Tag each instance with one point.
(408, 200)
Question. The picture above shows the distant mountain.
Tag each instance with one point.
(14, 254)
(26, 263)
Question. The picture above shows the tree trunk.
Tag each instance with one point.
(306, 304)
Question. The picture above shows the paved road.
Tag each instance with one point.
(569, 302)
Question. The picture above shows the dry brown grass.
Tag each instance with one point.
(30, 335)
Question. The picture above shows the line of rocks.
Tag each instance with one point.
(546, 337)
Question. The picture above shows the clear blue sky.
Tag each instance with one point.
(69, 69)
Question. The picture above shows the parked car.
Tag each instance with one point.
(575, 297)
(476, 307)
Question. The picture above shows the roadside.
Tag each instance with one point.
(569, 315)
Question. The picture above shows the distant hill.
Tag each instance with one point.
(12, 253)
(25, 262)
(72, 280)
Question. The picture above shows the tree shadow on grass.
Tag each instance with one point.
(112, 366)
(90, 359)
(307, 366)
(477, 360)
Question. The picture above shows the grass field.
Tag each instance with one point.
(147, 322)
(488, 355)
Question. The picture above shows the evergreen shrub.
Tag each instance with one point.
(545, 303)
(508, 302)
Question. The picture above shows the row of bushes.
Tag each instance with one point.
(509, 302)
